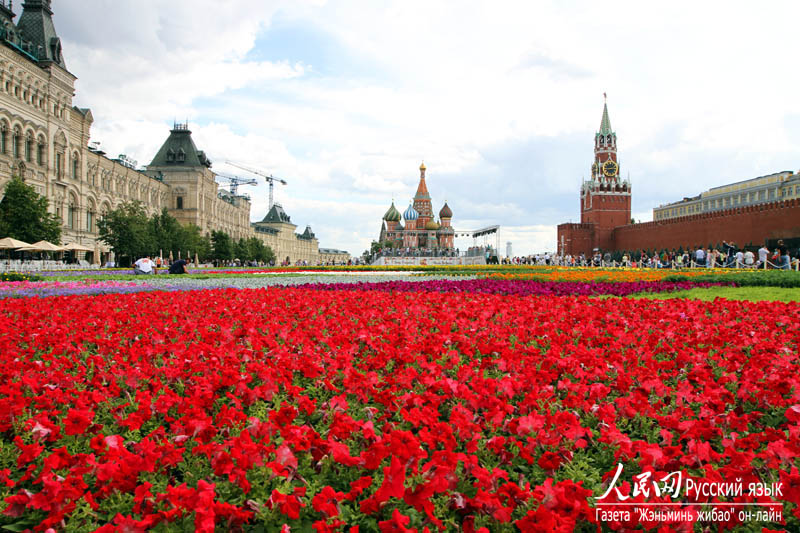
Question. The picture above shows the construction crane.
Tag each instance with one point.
(235, 181)
(269, 177)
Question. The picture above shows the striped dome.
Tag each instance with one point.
(392, 215)
(411, 213)
(446, 212)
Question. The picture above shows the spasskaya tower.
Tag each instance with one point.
(605, 197)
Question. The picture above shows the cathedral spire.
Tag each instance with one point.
(422, 188)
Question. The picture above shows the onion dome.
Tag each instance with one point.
(422, 166)
(446, 212)
(392, 215)
(411, 213)
(432, 225)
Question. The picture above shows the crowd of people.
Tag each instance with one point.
(417, 252)
(147, 265)
(729, 255)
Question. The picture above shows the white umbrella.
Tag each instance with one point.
(41, 246)
(9, 243)
(76, 247)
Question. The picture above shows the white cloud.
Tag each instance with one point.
(500, 99)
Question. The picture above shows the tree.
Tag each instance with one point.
(170, 236)
(192, 239)
(166, 233)
(241, 251)
(258, 251)
(24, 215)
(221, 246)
(126, 230)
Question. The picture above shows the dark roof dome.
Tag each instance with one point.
(446, 212)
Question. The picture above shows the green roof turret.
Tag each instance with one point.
(179, 150)
(392, 215)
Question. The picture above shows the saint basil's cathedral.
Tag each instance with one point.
(421, 230)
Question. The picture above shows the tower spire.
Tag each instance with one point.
(605, 123)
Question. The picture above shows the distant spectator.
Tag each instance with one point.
(763, 252)
(729, 249)
(749, 258)
(143, 266)
(784, 262)
(178, 267)
(700, 256)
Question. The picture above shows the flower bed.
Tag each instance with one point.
(345, 281)
(386, 411)
(614, 275)
(22, 289)
(526, 287)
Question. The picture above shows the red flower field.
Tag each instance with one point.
(308, 410)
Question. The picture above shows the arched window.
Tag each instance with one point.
(4, 138)
(16, 143)
(90, 214)
(40, 147)
(75, 166)
(179, 202)
(59, 164)
(72, 212)
(29, 147)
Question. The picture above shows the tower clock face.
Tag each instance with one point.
(610, 168)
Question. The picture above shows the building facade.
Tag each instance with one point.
(749, 212)
(421, 230)
(763, 190)
(44, 139)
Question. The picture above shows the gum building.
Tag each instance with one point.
(44, 139)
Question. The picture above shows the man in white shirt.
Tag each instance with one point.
(749, 258)
(143, 266)
(700, 256)
(762, 254)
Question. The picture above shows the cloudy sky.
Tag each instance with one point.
(344, 99)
